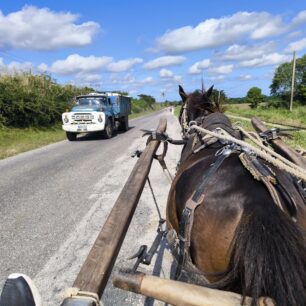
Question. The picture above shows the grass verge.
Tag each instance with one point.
(282, 116)
(14, 141)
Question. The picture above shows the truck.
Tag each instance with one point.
(100, 112)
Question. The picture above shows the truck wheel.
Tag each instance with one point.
(125, 123)
(71, 136)
(108, 130)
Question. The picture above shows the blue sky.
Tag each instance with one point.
(149, 47)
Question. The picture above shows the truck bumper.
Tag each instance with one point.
(83, 128)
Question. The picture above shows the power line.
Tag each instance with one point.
(11, 56)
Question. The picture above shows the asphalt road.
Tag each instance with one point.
(55, 199)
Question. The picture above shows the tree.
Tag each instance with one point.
(149, 100)
(215, 96)
(254, 97)
(281, 83)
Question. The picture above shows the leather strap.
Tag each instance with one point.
(197, 198)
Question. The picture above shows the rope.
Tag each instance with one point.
(76, 293)
(269, 150)
(269, 155)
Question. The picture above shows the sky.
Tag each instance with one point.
(150, 47)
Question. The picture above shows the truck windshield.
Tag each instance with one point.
(90, 101)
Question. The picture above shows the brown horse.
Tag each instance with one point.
(228, 225)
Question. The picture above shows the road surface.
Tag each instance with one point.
(54, 201)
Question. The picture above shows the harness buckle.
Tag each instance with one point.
(226, 150)
(192, 122)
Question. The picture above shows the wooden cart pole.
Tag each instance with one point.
(279, 146)
(96, 269)
(179, 293)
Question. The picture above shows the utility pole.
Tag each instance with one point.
(219, 94)
(202, 83)
(292, 82)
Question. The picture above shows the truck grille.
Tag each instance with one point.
(78, 118)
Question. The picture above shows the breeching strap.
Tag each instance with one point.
(188, 212)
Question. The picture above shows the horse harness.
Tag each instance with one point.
(259, 170)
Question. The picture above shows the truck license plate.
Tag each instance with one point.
(82, 128)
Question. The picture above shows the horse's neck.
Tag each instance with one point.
(216, 119)
(210, 122)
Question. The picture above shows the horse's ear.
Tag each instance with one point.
(182, 93)
(209, 91)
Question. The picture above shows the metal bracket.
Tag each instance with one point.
(136, 153)
(145, 257)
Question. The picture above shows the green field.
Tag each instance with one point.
(281, 116)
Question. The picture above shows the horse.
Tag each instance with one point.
(232, 235)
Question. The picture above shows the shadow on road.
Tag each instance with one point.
(158, 267)
(98, 136)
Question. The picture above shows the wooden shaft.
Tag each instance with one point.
(179, 293)
(96, 269)
(279, 146)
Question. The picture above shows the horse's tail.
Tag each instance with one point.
(268, 257)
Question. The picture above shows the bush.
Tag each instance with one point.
(28, 100)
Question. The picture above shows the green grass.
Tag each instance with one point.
(282, 116)
(177, 110)
(296, 118)
(14, 141)
(298, 140)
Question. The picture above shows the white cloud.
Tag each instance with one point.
(224, 69)
(297, 45)
(86, 78)
(15, 67)
(266, 60)
(268, 26)
(43, 67)
(165, 73)
(217, 78)
(147, 80)
(244, 52)
(168, 75)
(295, 34)
(35, 28)
(217, 32)
(164, 61)
(75, 63)
(299, 18)
(124, 65)
(197, 67)
(245, 77)
(129, 78)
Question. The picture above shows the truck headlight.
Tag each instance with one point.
(66, 120)
(100, 118)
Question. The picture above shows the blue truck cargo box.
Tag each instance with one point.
(121, 104)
